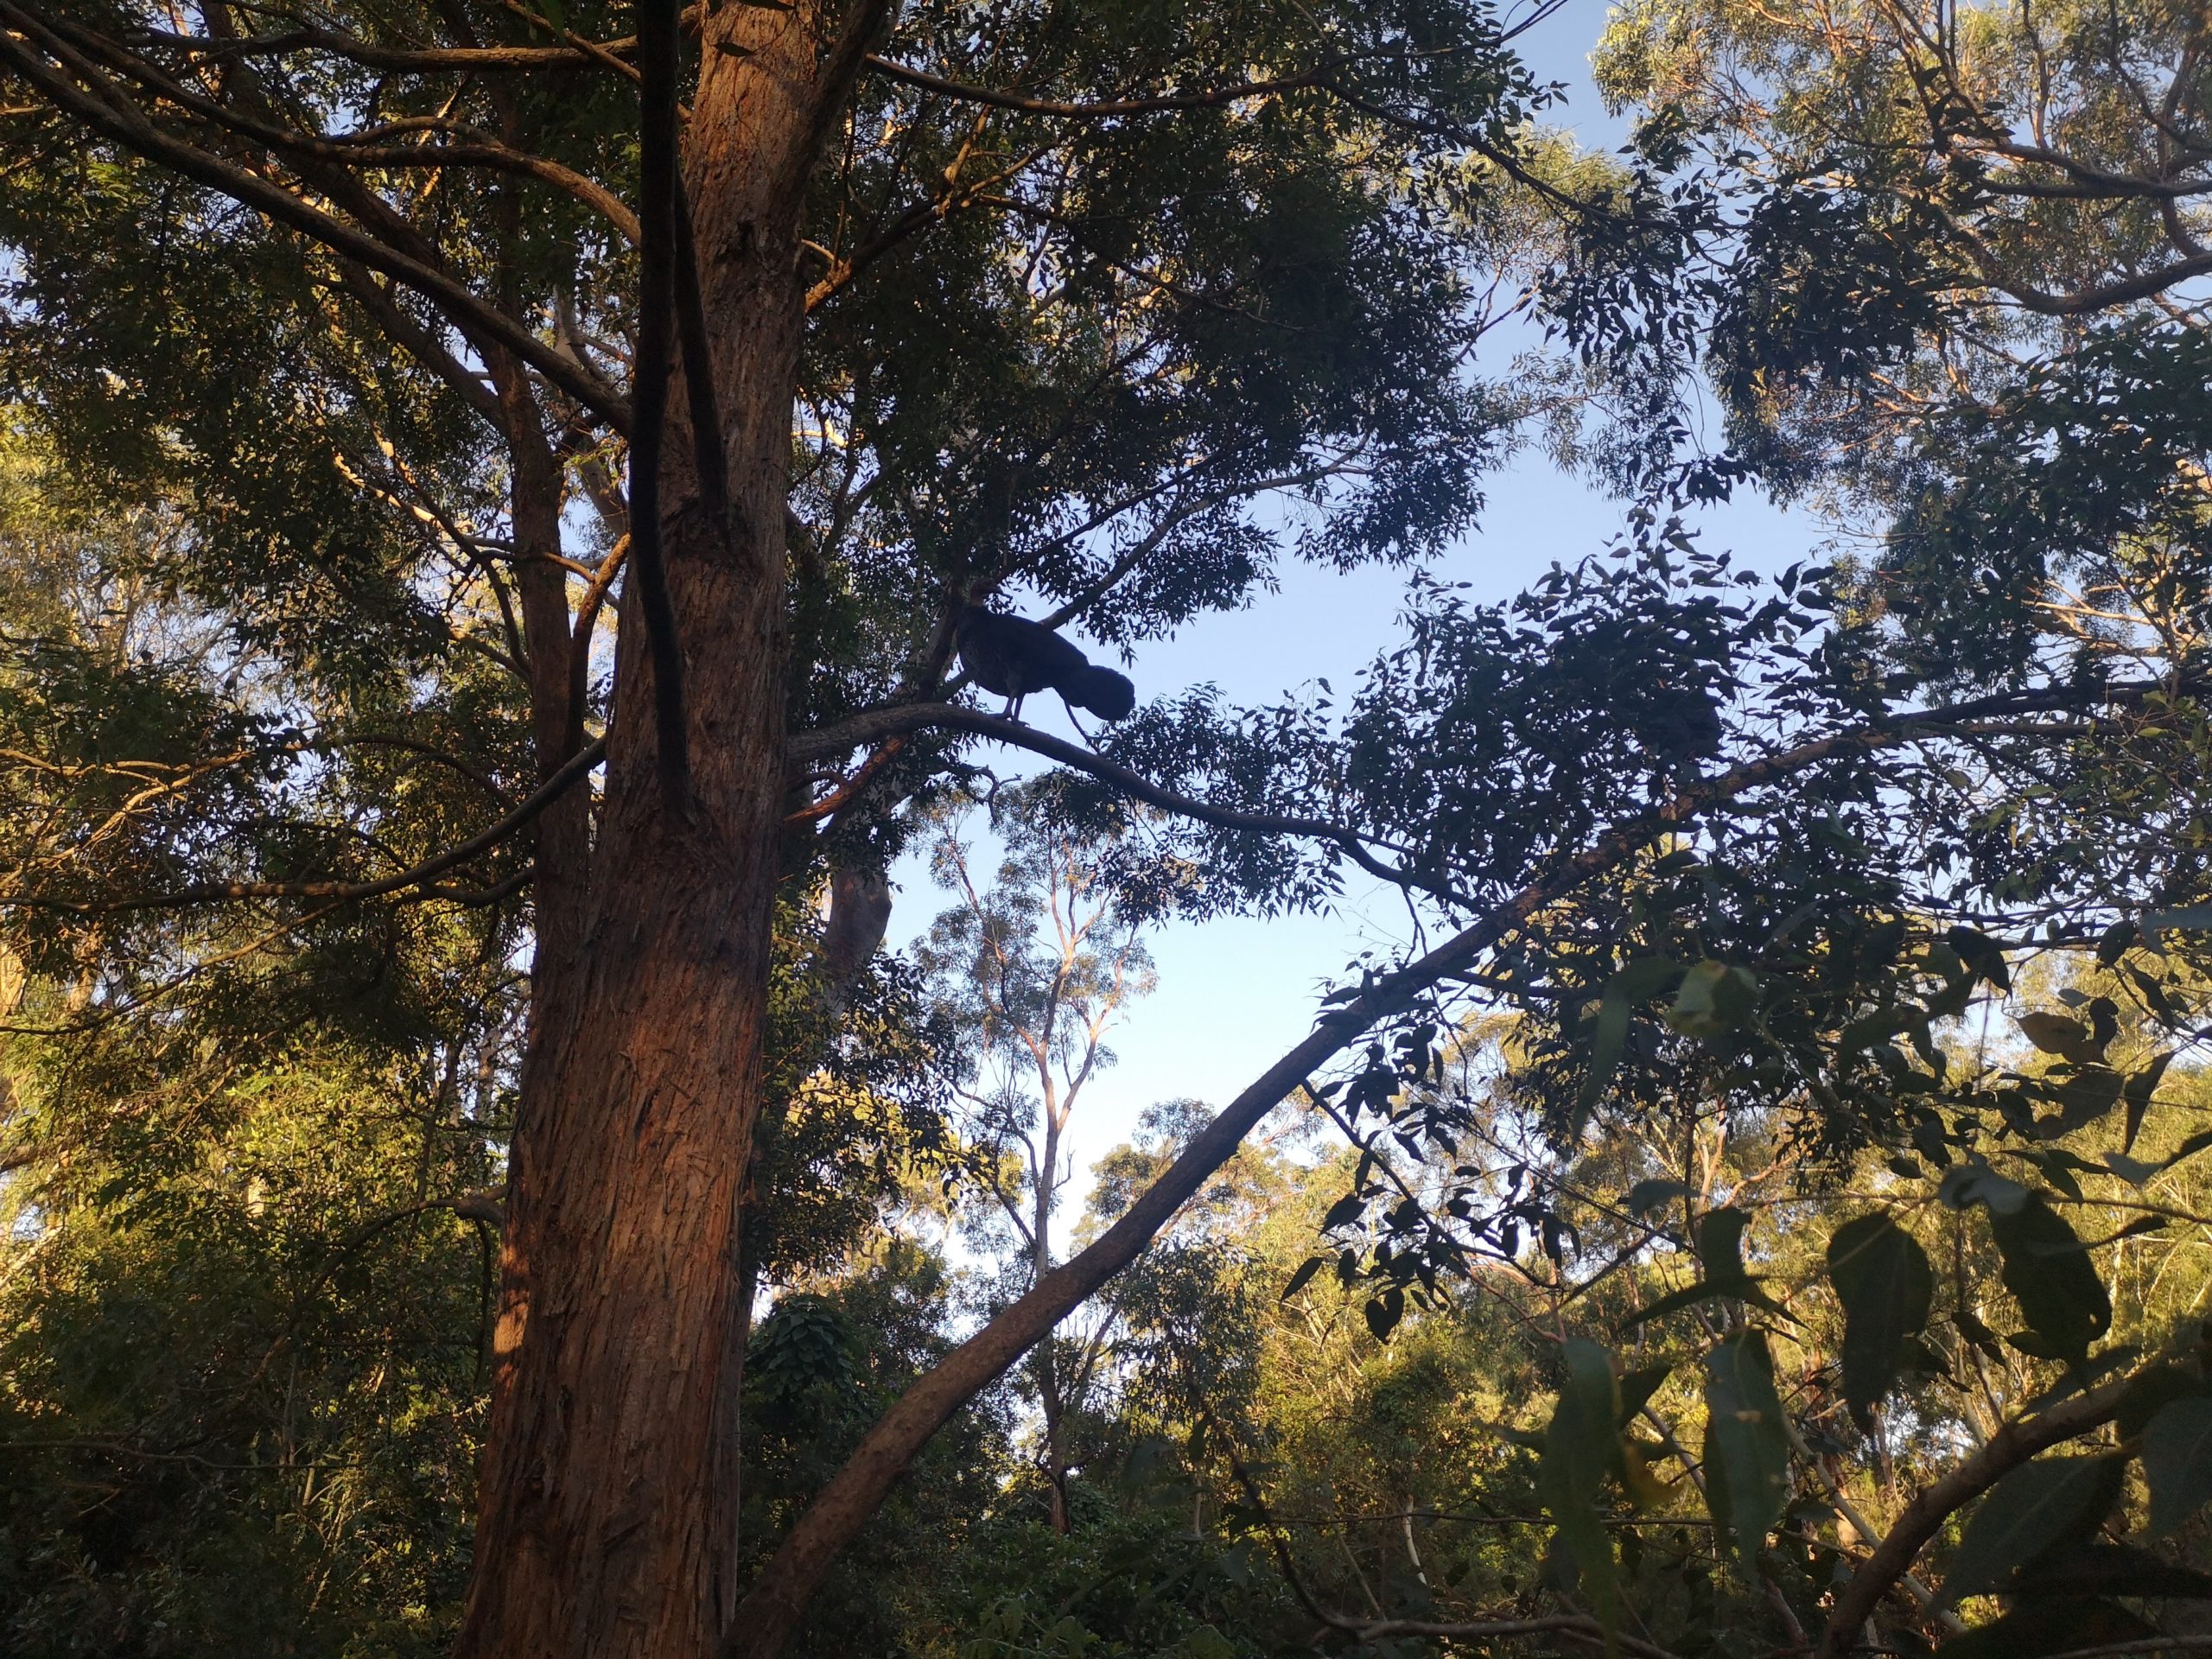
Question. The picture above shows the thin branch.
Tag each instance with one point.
(337, 892)
(1213, 97)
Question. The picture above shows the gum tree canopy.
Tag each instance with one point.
(382, 302)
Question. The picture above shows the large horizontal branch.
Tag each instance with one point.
(2104, 183)
(124, 124)
(1995, 273)
(1106, 109)
(400, 60)
(339, 893)
(904, 719)
(365, 149)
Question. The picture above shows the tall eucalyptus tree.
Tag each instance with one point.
(805, 320)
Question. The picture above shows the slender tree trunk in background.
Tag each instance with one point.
(562, 850)
(1049, 1400)
(604, 1530)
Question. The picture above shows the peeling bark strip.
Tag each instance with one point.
(658, 197)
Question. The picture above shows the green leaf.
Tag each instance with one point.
(1643, 978)
(2140, 1087)
(1638, 1386)
(1581, 1446)
(2052, 1278)
(2056, 1034)
(2113, 944)
(2087, 1096)
(1881, 1277)
(2057, 1165)
(2037, 1506)
(1746, 1444)
(2177, 1463)
(1384, 1312)
(1306, 1270)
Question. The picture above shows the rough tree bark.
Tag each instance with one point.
(602, 1527)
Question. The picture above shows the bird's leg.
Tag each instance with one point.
(1012, 709)
(1088, 739)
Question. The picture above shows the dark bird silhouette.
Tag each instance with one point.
(1013, 656)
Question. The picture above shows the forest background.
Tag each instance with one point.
(1751, 1203)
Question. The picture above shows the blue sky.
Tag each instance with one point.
(1234, 993)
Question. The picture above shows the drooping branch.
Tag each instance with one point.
(37, 55)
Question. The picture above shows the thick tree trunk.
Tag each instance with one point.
(606, 1523)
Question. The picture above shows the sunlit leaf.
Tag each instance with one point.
(2056, 1033)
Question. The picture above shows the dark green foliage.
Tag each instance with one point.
(244, 1362)
(1881, 1277)
(2177, 1463)
(2050, 1274)
(1582, 1446)
(2032, 1511)
(1747, 1443)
